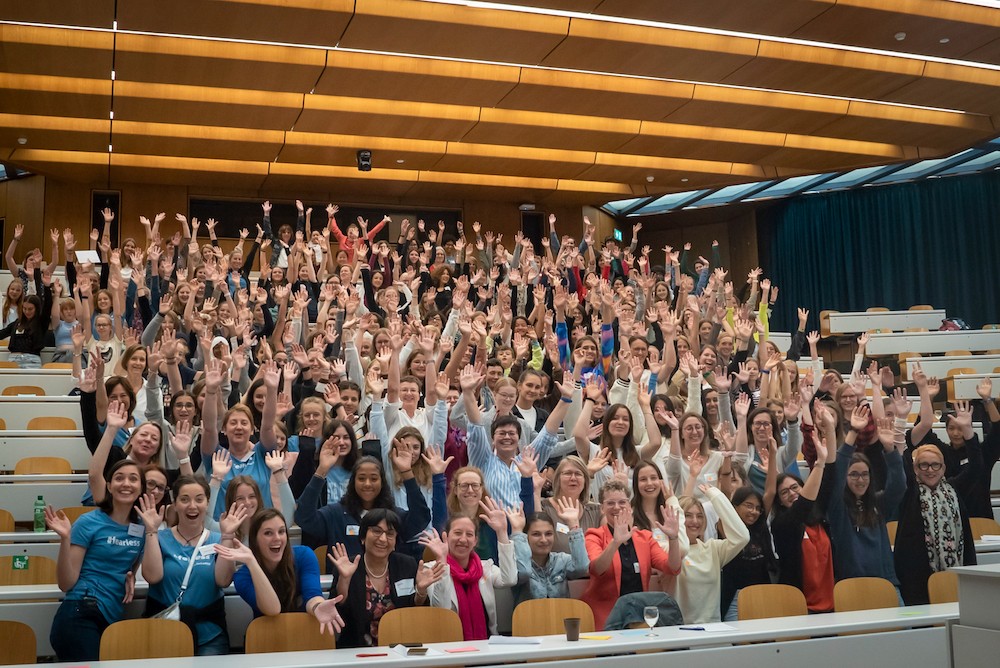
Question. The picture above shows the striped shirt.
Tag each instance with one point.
(503, 480)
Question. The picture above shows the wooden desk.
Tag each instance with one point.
(20, 499)
(896, 321)
(965, 385)
(933, 342)
(976, 636)
(939, 366)
(922, 644)
(15, 444)
(55, 382)
(47, 354)
(17, 411)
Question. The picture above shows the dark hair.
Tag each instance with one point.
(282, 578)
(760, 535)
(863, 510)
(352, 502)
(638, 514)
(113, 382)
(629, 453)
(376, 515)
(233, 489)
(346, 385)
(505, 421)
(813, 518)
(107, 503)
(349, 460)
(248, 402)
(179, 395)
(191, 480)
(452, 518)
(537, 517)
(168, 494)
(665, 430)
(775, 427)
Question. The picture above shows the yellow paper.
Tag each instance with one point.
(595, 637)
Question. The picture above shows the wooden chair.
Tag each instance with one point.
(771, 600)
(943, 587)
(18, 390)
(17, 643)
(4, 364)
(3, 423)
(36, 465)
(876, 309)
(890, 528)
(949, 382)
(922, 307)
(324, 563)
(287, 632)
(40, 570)
(864, 594)
(6, 521)
(57, 365)
(544, 616)
(146, 639)
(421, 624)
(958, 353)
(52, 423)
(824, 323)
(73, 513)
(983, 526)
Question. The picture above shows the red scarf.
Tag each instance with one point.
(470, 601)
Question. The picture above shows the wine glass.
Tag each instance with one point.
(651, 614)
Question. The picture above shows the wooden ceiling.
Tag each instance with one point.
(540, 100)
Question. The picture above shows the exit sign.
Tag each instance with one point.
(618, 235)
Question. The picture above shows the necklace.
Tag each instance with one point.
(378, 576)
(187, 541)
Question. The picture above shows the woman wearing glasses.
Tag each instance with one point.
(379, 579)
(857, 517)
(933, 532)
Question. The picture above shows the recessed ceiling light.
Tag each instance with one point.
(22, 140)
(650, 178)
(684, 180)
(944, 40)
(400, 161)
(900, 36)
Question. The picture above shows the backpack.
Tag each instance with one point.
(952, 325)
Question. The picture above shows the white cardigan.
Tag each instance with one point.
(442, 593)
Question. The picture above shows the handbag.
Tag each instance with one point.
(173, 611)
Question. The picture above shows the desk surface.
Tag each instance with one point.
(556, 647)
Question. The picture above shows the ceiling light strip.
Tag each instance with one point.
(475, 61)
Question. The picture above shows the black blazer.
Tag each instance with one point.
(357, 618)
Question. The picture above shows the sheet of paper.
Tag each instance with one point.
(505, 640)
(593, 637)
(90, 256)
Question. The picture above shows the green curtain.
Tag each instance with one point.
(931, 242)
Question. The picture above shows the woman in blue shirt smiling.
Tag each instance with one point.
(97, 558)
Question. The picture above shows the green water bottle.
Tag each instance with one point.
(39, 514)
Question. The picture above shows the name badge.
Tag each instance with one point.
(805, 535)
(659, 535)
(963, 462)
(321, 388)
(206, 550)
(562, 528)
(136, 529)
(352, 529)
(405, 587)
(635, 566)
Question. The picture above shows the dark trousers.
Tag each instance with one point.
(77, 629)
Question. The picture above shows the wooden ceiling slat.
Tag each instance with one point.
(766, 17)
(55, 51)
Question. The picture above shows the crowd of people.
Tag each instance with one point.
(449, 416)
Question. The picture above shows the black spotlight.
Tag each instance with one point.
(364, 161)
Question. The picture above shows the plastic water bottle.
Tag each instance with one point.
(39, 514)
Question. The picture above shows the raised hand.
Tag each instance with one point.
(181, 439)
(569, 510)
(57, 521)
(671, 524)
(400, 457)
(494, 516)
(326, 613)
(345, 565)
(428, 575)
(435, 460)
(275, 461)
(231, 521)
(985, 389)
(886, 433)
(598, 461)
(516, 518)
(117, 415)
(148, 512)
(859, 417)
(621, 531)
(432, 539)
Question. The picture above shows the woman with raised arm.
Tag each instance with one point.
(858, 516)
(277, 577)
(651, 494)
(801, 539)
(544, 571)
(468, 586)
(622, 556)
(933, 533)
(166, 559)
(699, 580)
(757, 429)
(379, 579)
(98, 555)
(755, 564)
(571, 483)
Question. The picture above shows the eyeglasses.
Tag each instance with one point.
(930, 466)
(859, 475)
(470, 486)
(379, 532)
(786, 492)
(155, 487)
(761, 425)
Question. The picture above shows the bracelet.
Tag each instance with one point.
(186, 460)
(77, 354)
(765, 372)
(216, 478)
(228, 536)
(567, 400)
(151, 533)
(586, 399)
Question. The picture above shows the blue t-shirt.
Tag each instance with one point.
(254, 466)
(112, 551)
(336, 484)
(306, 572)
(201, 591)
(292, 445)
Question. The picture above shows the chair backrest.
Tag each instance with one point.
(864, 594)
(890, 528)
(146, 639)
(824, 322)
(57, 365)
(422, 624)
(942, 587)
(958, 353)
(287, 632)
(3, 423)
(52, 423)
(73, 513)
(6, 364)
(876, 309)
(18, 390)
(17, 643)
(771, 600)
(323, 561)
(53, 465)
(983, 526)
(921, 307)
(544, 616)
(6, 521)
(31, 570)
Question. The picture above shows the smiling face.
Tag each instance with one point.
(692, 432)
(125, 486)
(409, 393)
(461, 538)
(749, 510)
(694, 521)
(615, 503)
(367, 483)
(156, 484)
(380, 541)
(145, 443)
(238, 428)
(619, 423)
(571, 480)
(650, 484)
(272, 538)
(789, 490)
(246, 496)
(589, 349)
(858, 478)
(541, 535)
(137, 362)
(183, 408)
(505, 440)
(469, 486)
(191, 504)
(312, 415)
(928, 466)
(411, 445)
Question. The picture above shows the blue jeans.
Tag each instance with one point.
(732, 614)
(216, 646)
(76, 630)
(25, 360)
